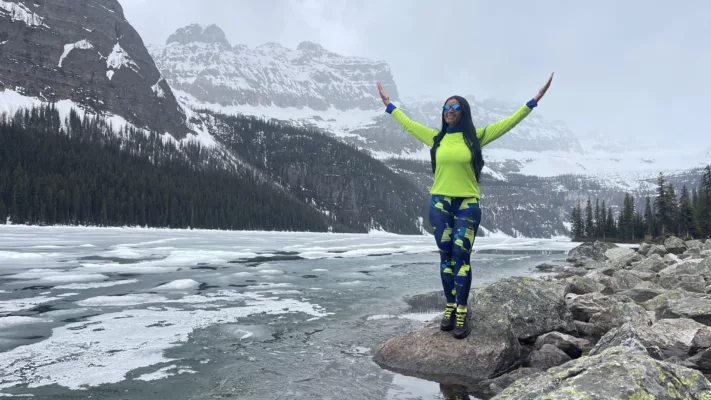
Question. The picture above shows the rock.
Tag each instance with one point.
(691, 253)
(585, 306)
(643, 249)
(690, 283)
(653, 264)
(700, 361)
(707, 245)
(501, 313)
(594, 251)
(532, 306)
(621, 256)
(656, 302)
(625, 336)
(690, 267)
(627, 374)
(656, 249)
(492, 387)
(619, 314)
(623, 280)
(545, 267)
(694, 244)
(428, 353)
(706, 254)
(570, 345)
(676, 337)
(674, 245)
(671, 259)
(582, 285)
(548, 356)
(640, 295)
(696, 308)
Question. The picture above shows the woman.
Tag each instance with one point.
(454, 213)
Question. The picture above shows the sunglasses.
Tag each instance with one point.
(454, 108)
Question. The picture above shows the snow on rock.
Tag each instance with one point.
(180, 284)
(82, 44)
(19, 12)
(120, 58)
(158, 90)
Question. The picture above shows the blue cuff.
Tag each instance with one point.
(532, 104)
(390, 108)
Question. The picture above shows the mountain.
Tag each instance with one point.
(312, 87)
(87, 53)
(92, 134)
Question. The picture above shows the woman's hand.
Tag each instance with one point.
(383, 95)
(544, 89)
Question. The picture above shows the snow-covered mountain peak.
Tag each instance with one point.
(196, 33)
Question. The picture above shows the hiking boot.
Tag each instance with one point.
(447, 323)
(461, 328)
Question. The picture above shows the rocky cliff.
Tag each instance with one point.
(86, 52)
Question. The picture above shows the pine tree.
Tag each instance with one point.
(673, 205)
(649, 222)
(688, 225)
(662, 207)
(3, 212)
(705, 203)
(596, 228)
(603, 221)
(576, 223)
(627, 218)
(589, 227)
(611, 231)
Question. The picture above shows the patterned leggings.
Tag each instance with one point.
(455, 221)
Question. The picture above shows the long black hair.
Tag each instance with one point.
(469, 132)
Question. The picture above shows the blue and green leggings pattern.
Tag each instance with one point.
(455, 221)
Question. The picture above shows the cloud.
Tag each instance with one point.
(630, 69)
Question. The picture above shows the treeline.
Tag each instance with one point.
(687, 215)
(79, 172)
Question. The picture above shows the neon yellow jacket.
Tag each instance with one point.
(454, 175)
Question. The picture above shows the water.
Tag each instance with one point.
(180, 314)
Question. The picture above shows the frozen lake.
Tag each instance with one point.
(145, 314)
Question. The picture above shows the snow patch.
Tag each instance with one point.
(82, 44)
(104, 348)
(180, 284)
(19, 12)
(158, 90)
(120, 58)
(110, 74)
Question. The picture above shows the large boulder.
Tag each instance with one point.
(428, 353)
(696, 308)
(590, 250)
(570, 345)
(547, 356)
(531, 306)
(625, 336)
(616, 373)
(501, 314)
(654, 264)
(621, 257)
(675, 245)
(678, 337)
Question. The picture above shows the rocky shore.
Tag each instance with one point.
(609, 322)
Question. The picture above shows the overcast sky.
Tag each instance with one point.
(634, 69)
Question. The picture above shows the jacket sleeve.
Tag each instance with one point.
(420, 132)
(494, 131)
